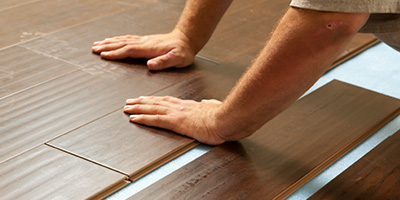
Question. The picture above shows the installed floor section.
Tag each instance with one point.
(61, 103)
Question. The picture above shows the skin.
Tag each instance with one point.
(301, 49)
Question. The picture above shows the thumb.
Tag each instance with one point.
(170, 59)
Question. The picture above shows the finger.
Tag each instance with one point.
(123, 52)
(161, 121)
(107, 41)
(146, 109)
(170, 59)
(108, 47)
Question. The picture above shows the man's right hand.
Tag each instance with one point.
(163, 50)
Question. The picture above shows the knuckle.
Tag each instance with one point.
(166, 98)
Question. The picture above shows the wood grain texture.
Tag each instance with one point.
(114, 142)
(22, 69)
(41, 113)
(47, 173)
(374, 176)
(286, 152)
(38, 18)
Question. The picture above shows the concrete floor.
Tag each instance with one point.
(377, 69)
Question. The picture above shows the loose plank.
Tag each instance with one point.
(38, 18)
(374, 176)
(47, 173)
(134, 150)
(41, 113)
(286, 152)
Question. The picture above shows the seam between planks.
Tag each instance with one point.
(87, 159)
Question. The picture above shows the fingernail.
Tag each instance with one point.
(97, 42)
(127, 107)
(105, 53)
(152, 63)
(95, 48)
(132, 117)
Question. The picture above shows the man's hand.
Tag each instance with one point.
(193, 119)
(164, 50)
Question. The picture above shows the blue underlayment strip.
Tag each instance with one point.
(377, 69)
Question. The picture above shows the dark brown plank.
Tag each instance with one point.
(38, 18)
(374, 176)
(47, 173)
(41, 113)
(114, 142)
(286, 152)
(74, 44)
(22, 69)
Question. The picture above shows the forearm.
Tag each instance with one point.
(199, 19)
(300, 50)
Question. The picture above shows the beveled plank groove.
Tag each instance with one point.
(286, 152)
(374, 176)
(38, 18)
(46, 173)
(39, 114)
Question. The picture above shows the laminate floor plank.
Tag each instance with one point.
(38, 18)
(286, 152)
(134, 150)
(22, 69)
(47, 173)
(41, 113)
(74, 44)
(374, 176)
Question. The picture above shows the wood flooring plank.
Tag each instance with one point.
(286, 152)
(134, 150)
(47, 173)
(374, 176)
(38, 18)
(41, 113)
(22, 69)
